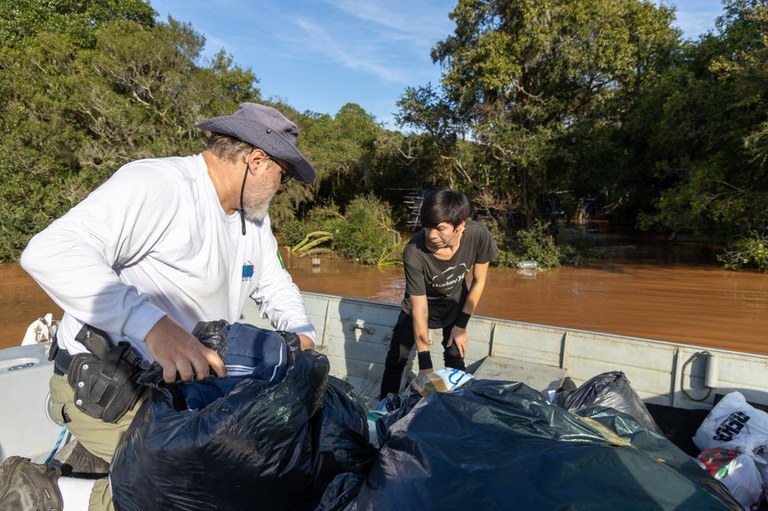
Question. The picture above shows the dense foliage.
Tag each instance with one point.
(598, 108)
(534, 81)
(75, 108)
(364, 233)
(548, 110)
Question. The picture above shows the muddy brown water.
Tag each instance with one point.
(666, 300)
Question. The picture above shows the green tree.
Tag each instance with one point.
(78, 20)
(436, 149)
(427, 109)
(71, 116)
(341, 148)
(702, 132)
(523, 73)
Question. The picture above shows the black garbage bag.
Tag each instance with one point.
(609, 390)
(397, 406)
(500, 445)
(252, 448)
(342, 435)
(343, 489)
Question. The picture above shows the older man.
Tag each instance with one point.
(161, 245)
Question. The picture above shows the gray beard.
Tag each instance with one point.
(256, 213)
(256, 203)
(256, 207)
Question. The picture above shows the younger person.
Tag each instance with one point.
(437, 261)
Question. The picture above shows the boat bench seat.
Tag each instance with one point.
(541, 377)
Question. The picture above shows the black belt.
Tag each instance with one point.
(61, 359)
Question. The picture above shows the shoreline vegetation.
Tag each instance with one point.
(365, 234)
(547, 114)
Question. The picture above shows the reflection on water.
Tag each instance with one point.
(656, 291)
(340, 277)
(621, 243)
(693, 305)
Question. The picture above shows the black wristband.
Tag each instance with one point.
(462, 320)
(425, 360)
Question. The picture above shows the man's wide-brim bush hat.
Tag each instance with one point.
(266, 128)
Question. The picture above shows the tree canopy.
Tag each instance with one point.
(601, 104)
(545, 109)
(78, 20)
(527, 76)
(72, 114)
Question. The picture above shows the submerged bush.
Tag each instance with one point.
(363, 234)
(537, 244)
(366, 235)
(747, 252)
(534, 244)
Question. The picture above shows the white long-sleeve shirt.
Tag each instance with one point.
(154, 240)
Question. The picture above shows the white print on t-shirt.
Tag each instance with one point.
(450, 277)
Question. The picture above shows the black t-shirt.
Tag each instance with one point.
(444, 282)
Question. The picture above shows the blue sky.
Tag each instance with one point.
(318, 55)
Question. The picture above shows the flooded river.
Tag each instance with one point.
(649, 297)
(701, 305)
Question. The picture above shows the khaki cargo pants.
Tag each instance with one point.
(98, 437)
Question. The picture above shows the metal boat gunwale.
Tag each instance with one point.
(354, 334)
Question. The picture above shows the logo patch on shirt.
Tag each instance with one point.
(247, 271)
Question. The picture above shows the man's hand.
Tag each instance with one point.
(459, 336)
(306, 342)
(424, 372)
(178, 351)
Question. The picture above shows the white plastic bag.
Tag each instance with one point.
(738, 471)
(731, 420)
(733, 439)
(440, 380)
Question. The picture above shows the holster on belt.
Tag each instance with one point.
(104, 380)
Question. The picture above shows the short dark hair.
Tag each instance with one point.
(228, 148)
(444, 206)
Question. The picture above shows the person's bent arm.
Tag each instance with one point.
(420, 312)
(459, 332)
(476, 288)
(76, 258)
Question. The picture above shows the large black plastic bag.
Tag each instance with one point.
(397, 407)
(610, 390)
(340, 492)
(251, 449)
(500, 445)
(342, 436)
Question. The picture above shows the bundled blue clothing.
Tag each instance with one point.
(247, 351)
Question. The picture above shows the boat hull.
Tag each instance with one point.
(354, 334)
(26, 427)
